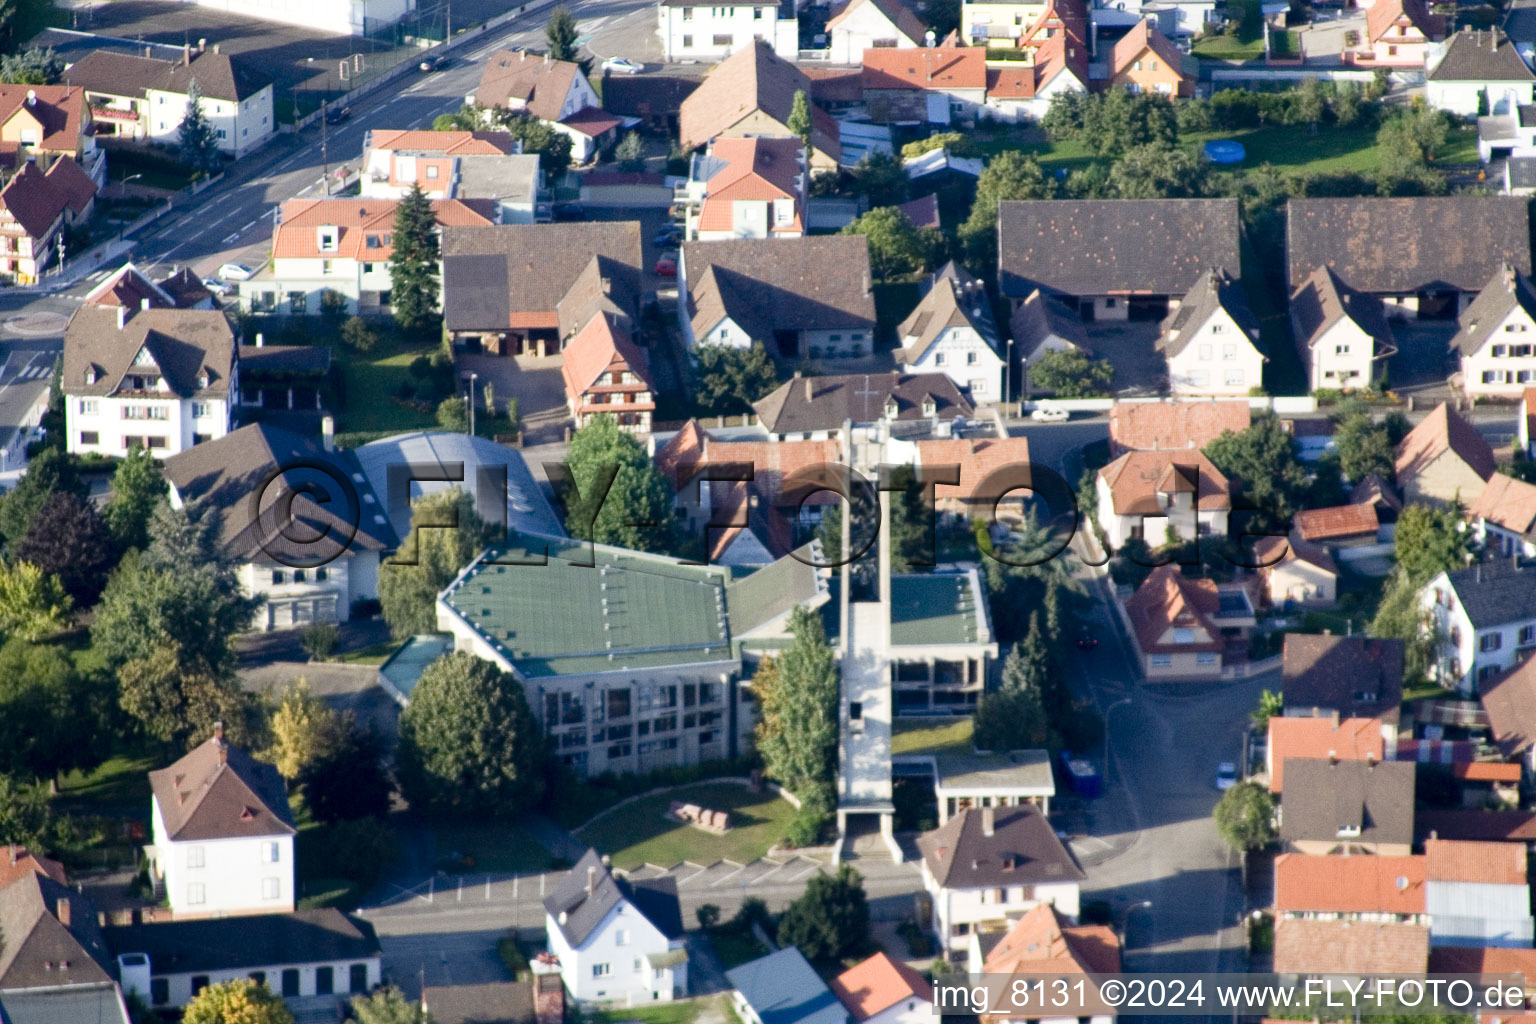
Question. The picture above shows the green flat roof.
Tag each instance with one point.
(934, 609)
(629, 610)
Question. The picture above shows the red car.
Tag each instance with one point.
(666, 266)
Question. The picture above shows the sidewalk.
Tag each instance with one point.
(553, 838)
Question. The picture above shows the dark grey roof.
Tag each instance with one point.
(783, 988)
(117, 74)
(1520, 21)
(651, 95)
(1322, 300)
(1216, 290)
(37, 949)
(233, 943)
(1480, 56)
(953, 299)
(1342, 673)
(1109, 246)
(824, 403)
(500, 1002)
(1497, 592)
(1039, 317)
(590, 892)
(192, 349)
(766, 285)
(1323, 797)
(1022, 850)
(1479, 321)
(1403, 245)
(77, 1004)
(283, 360)
(218, 75)
(1521, 169)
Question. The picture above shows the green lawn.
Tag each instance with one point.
(1224, 47)
(372, 381)
(1333, 148)
(119, 781)
(378, 654)
(915, 736)
(493, 846)
(680, 1011)
(640, 832)
(1460, 147)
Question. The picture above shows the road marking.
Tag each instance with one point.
(229, 239)
(721, 881)
(808, 871)
(684, 881)
(777, 867)
(248, 226)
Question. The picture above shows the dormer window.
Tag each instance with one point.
(144, 358)
(930, 407)
(202, 379)
(1349, 831)
(890, 409)
(90, 375)
(328, 237)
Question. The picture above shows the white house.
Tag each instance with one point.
(1484, 620)
(554, 91)
(859, 25)
(161, 379)
(616, 939)
(952, 331)
(1161, 495)
(986, 866)
(1497, 339)
(691, 30)
(1477, 72)
(1210, 341)
(454, 165)
(885, 991)
(301, 955)
(747, 188)
(223, 833)
(1503, 517)
(299, 582)
(1342, 334)
(1296, 572)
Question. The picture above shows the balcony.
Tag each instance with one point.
(115, 114)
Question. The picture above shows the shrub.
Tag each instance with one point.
(709, 916)
(421, 367)
(319, 640)
(357, 335)
(512, 957)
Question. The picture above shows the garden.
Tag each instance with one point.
(640, 832)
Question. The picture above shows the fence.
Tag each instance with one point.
(1280, 406)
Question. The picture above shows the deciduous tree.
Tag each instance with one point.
(70, 540)
(1245, 817)
(729, 379)
(48, 713)
(1011, 174)
(1158, 170)
(637, 512)
(800, 118)
(33, 604)
(1364, 447)
(388, 1006)
(243, 1001)
(347, 779)
(50, 470)
(430, 557)
(797, 734)
(303, 727)
(1070, 373)
(1263, 460)
(138, 486)
(25, 817)
(897, 247)
(830, 920)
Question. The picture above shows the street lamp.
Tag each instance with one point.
(124, 186)
(1125, 929)
(1007, 377)
(472, 378)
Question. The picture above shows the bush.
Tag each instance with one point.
(357, 335)
(709, 916)
(512, 956)
(421, 367)
(319, 640)
(753, 911)
(1096, 912)
(918, 941)
(453, 414)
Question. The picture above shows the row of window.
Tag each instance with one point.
(1207, 351)
(939, 358)
(271, 853)
(1201, 658)
(197, 892)
(152, 443)
(1202, 378)
(281, 576)
(1495, 641)
(325, 983)
(758, 13)
(606, 970)
(1509, 376)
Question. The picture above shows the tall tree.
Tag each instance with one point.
(33, 66)
(797, 733)
(553, 147)
(897, 247)
(637, 511)
(348, 779)
(468, 742)
(1364, 447)
(1263, 460)
(1014, 716)
(48, 716)
(729, 379)
(1429, 540)
(70, 540)
(413, 289)
(199, 141)
(429, 559)
(830, 920)
(882, 178)
(243, 1001)
(303, 727)
(1011, 174)
(1245, 817)
(25, 817)
(800, 118)
(1115, 120)
(138, 486)
(33, 604)
(560, 33)
(176, 706)
(1159, 170)
(50, 470)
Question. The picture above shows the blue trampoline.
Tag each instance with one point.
(1224, 151)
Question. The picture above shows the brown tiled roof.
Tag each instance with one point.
(488, 1003)
(40, 950)
(878, 984)
(538, 83)
(185, 345)
(34, 199)
(1166, 600)
(1039, 317)
(752, 79)
(954, 299)
(683, 449)
(780, 284)
(1368, 801)
(1401, 245)
(1136, 478)
(16, 861)
(772, 462)
(1305, 946)
(1378, 492)
(656, 94)
(218, 75)
(1114, 246)
(897, 13)
(1353, 739)
(365, 226)
(1042, 942)
(1306, 884)
(977, 457)
(60, 109)
(1022, 850)
(1356, 676)
(1379, 18)
(1507, 502)
(923, 211)
(1486, 960)
(1483, 320)
(1339, 521)
(129, 287)
(939, 67)
(185, 287)
(1216, 291)
(1509, 698)
(600, 348)
(1156, 426)
(73, 185)
(824, 403)
(1441, 431)
(836, 85)
(218, 791)
(1480, 56)
(1460, 860)
(1322, 300)
(117, 74)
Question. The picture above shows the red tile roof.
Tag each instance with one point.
(1441, 431)
(60, 110)
(16, 860)
(1304, 946)
(976, 457)
(1383, 16)
(1487, 771)
(1492, 863)
(1040, 942)
(938, 67)
(756, 169)
(1353, 739)
(877, 984)
(1509, 698)
(898, 14)
(1013, 82)
(1153, 426)
(682, 451)
(129, 287)
(456, 143)
(1306, 884)
(1508, 503)
(1340, 521)
(1168, 600)
(1141, 38)
(1136, 478)
(1272, 552)
(357, 221)
(1485, 960)
(600, 348)
(35, 199)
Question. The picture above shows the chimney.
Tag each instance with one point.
(144, 303)
(64, 915)
(988, 820)
(215, 47)
(260, 341)
(202, 44)
(149, 52)
(186, 53)
(13, 855)
(218, 731)
(810, 389)
(31, 97)
(591, 881)
(122, 317)
(328, 433)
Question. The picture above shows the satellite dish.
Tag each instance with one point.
(930, 37)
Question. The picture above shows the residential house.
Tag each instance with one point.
(1041, 324)
(1020, 91)
(616, 938)
(1330, 676)
(885, 991)
(751, 93)
(859, 25)
(1162, 425)
(42, 123)
(931, 85)
(1525, 423)
(1488, 960)
(1177, 622)
(1509, 700)
(1348, 807)
(1503, 517)
(496, 1002)
(1425, 256)
(1342, 334)
(1476, 894)
(1398, 34)
(1296, 572)
(554, 91)
(1335, 946)
(923, 211)
(145, 98)
(1349, 739)
(504, 286)
(1042, 942)
(223, 833)
(783, 988)
(1383, 497)
(290, 382)
(1310, 887)
(1485, 615)
(299, 955)
(1145, 60)
(998, 22)
(693, 31)
(54, 965)
(951, 331)
(747, 188)
(1497, 339)
(36, 208)
(1477, 72)
(332, 255)
(988, 466)
(607, 374)
(162, 379)
(1162, 495)
(985, 866)
(455, 165)
(299, 583)
(1443, 459)
(815, 408)
(1141, 254)
(130, 288)
(799, 297)
(1339, 526)
(1211, 340)
(654, 99)
(16, 861)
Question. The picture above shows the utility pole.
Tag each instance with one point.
(472, 378)
(325, 163)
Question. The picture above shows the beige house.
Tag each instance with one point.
(1296, 572)
(1443, 459)
(1173, 625)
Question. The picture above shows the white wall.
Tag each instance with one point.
(1342, 357)
(621, 942)
(178, 428)
(914, 1010)
(241, 126)
(343, 17)
(1155, 529)
(232, 874)
(963, 355)
(1507, 359)
(689, 33)
(1461, 98)
(864, 28)
(1219, 360)
(180, 985)
(953, 907)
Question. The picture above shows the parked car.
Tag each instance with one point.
(569, 211)
(336, 115)
(216, 286)
(1087, 639)
(1226, 775)
(668, 236)
(1050, 414)
(666, 266)
(236, 272)
(623, 66)
(434, 63)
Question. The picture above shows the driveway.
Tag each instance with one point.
(536, 383)
(1424, 359)
(1131, 345)
(353, 688)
